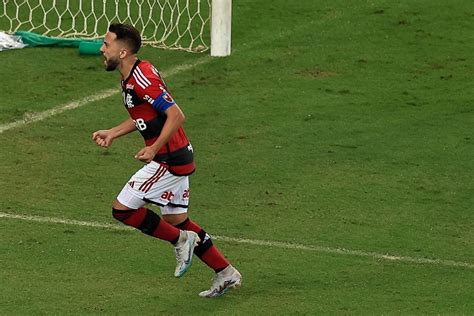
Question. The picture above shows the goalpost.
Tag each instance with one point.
(188, 25)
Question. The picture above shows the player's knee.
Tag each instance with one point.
(120, 212)
(119, 206)
(121, 215)
(142, 219)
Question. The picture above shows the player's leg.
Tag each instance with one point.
(227, 277)
(205, 250)
(129, 209)
(175, 213)
(147, 221)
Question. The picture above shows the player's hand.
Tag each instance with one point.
(103, 138)
(146, 154)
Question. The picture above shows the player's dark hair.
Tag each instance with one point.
(127, 34)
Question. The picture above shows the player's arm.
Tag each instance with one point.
(174, 119)
(104, 138)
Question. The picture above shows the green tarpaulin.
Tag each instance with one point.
(86, 46)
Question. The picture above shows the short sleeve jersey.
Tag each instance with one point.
(146, 99)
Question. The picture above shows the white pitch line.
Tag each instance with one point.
(39, 116)
(264, 243)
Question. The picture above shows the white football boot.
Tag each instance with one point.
(223, 281)
(184, 250)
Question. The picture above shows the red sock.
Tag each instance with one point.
(205, 250)
(149, 223)
(166, 231)
(214, 259)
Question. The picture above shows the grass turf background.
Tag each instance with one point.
(347, 125)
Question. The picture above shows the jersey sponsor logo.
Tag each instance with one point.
(149, 99)
(167, 196)
(186, 194)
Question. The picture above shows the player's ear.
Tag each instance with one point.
(123, 53)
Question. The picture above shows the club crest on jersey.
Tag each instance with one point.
(130, 86)
(128, 100)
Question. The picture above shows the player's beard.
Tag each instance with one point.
(111, 64)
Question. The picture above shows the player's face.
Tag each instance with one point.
(111, 51)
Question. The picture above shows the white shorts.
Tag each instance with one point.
(155, 184)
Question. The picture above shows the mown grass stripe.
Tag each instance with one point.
(39, 116)
(264, 243)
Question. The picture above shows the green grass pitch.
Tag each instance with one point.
(333, 124)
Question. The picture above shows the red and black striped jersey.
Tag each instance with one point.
(146, 99)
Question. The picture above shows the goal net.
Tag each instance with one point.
(170, 24)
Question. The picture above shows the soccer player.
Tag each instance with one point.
(168, 158)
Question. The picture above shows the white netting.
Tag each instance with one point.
(171, 24)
